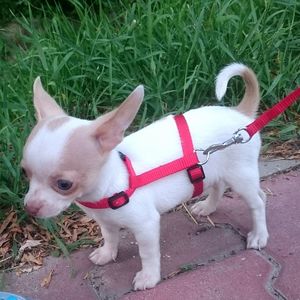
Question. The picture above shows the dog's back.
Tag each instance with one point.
(159, 142)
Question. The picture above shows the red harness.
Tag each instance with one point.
(189, 161)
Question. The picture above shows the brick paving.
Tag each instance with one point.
(198, 261)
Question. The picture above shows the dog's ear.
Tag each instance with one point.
(109, 129)
(45, 106)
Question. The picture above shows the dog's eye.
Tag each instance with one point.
(64, 184)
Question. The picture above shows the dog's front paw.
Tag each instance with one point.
(203, 208)
(257, 240)
(145, 280)
(102, 256)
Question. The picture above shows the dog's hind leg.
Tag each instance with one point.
(209, 205)
(248, 187)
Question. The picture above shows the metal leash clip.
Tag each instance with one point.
(237, 138)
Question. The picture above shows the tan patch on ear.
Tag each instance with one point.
(110, 130)
(57, 122)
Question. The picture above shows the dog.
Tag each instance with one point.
(71, 160)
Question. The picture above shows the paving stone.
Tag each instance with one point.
(67, 282)
(284, 226)
(243, 276)
(270, 167)
(283, 214)
(183, 245)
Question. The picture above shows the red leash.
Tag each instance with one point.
(255, 126)
(272, 113)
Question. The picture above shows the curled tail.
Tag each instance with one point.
(250, 102)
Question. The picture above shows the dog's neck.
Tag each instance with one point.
(112, 178)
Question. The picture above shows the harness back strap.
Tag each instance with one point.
(188, 161)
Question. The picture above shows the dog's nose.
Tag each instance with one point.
(33, 208)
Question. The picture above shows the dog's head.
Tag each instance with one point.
(63, 156)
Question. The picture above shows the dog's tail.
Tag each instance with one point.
(250, 102)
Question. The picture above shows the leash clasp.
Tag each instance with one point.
(242, 136)
(238, 137)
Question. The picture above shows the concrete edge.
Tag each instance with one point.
(277, 166)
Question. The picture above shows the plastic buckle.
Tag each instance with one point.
(195, 173)
(118, 200)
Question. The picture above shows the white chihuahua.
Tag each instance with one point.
(72, 160)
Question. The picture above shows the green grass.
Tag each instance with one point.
(91, 60)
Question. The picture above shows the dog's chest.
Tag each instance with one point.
(153, 145)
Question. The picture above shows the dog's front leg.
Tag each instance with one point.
(109, 250)
(147, 236)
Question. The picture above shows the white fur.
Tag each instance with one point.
(224, 76)
(156, 144)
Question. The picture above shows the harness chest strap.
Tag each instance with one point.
(188, 161)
